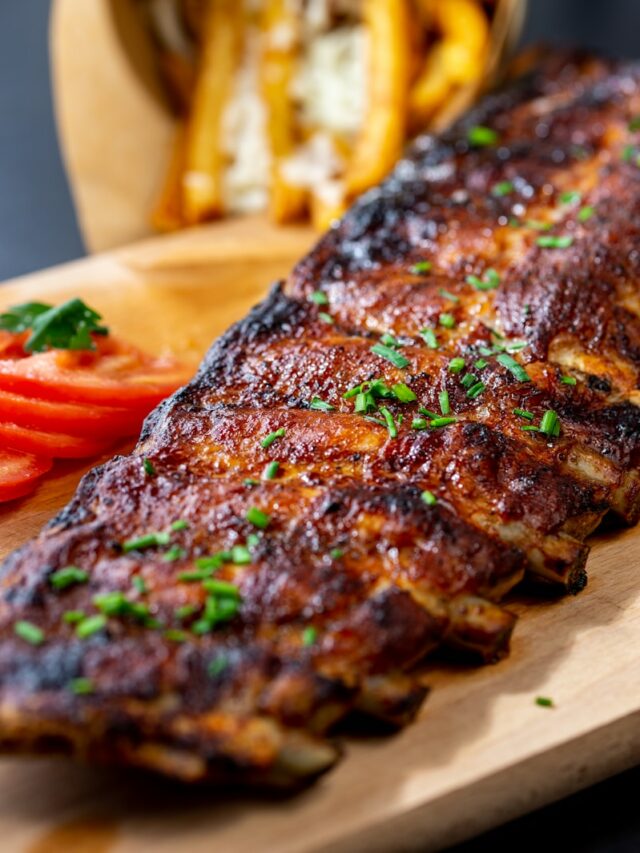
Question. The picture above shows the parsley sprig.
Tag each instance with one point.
(67, 326)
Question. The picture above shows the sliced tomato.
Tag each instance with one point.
(116, 374)
(19, 473)
(71, 418)
(54, 445)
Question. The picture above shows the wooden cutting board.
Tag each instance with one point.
(481, 752)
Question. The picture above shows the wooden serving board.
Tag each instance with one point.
(481, 751)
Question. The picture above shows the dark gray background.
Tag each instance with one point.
(37, 229)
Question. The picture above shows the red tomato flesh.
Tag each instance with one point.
(54, 445)
(19, 473)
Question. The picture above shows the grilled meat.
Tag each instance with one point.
(441, 399)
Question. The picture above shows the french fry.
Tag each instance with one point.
(327, 207)
(204, 159)
(280, 39)
(167, 212)
(381, 139)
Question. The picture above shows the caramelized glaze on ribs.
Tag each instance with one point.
(357, 577)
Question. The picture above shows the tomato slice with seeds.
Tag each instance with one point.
(19, 473)
(72, 418)
(54, 445)
(115, 374)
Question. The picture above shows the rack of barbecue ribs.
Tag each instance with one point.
(441, 400)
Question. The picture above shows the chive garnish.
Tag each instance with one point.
(538, 225)
(182, 613)
(71, 617)
(320, 405)
(530, 428)
(544, 701)
(446, 294)
(419, 423)
(427, 412)
(336, 553)
(91, 625)
(326, 318)
(476, 390)
(421, 267)
(396, 358)
(268, 440)
(429, 498)
(550, 241)
(68, 576)
(309, 636)
(248, 481)
(319, 297)
(523, 413)
(480, 364)
(442, 422)
(149, 467)
(138, 584)
(403, 393)
(174, 553)
(175, 635)
(481, 136)
(271, 470)
(217, 666)
(443, 399)
(568, 380)
(258, 518)
(447, 320)
(571, 197)
(81, 686)
(429, 337)
(218, 587)
(240, 555)
(389, 341)
(456, 365)
(513, 367)
(196, 574)
(180, 524)
(148, 540)
(468, 380)
(585, 213)
(390, 423)
(502, 188)
(550, 424)
(490, 281)
(29, 632)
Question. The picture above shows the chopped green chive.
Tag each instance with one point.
(568, 380)
(196, 574)
(513, 367)
(218, 587)
(443, 399)
(180, 524)
(69, 576)
(309, 636)
(523, 413)
(268, 440)
(571, 197)
(550, 424)
(550, 241)
(185, 611)
(217, 666)
(502, 188)
(456, 365)
(390, 355)
(71, 617)
(336, 553)
(427, 412)
(326, 318)
(390, 423)
(419, 423)
(476, 390)
(442, 422)
(320, 405)
(481, 136)
(174, 553)
(448, 295)
(149, 467)
(148, 540)
(468, 380)
(629, 152)
(138, 584)
(388, 340)
(447, 320)
(429, 498)
(490, 281)
(319, 298)
(538, 225)
(429, 337)
(271, 470)
(480, 364)
(29, 632)
(544, 701)
(421, 267)
(258, 518)
(240, 555)
(530, 428)
(403, 393)
(91, 625)
(175, 635)
(248, 481)
(81, 686)
(585, 213)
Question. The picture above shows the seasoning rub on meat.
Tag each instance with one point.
(441, 399)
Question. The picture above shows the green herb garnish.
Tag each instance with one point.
(174, 553)
(320, 406)
(419, 423)
(149, 467)
(91, 625)
(396, 358)
(447, 320)
(319, 297)
(326, 318)
(217, 666)
(456, 365)
(390, 423)
(448, 295)
(585, 213)
(175, 635)
(550, 424)
(148, 540)
(443, 399)
(523, 413)
(71, 617)
(568, 380)
(240, 555)
(429, 337)
(336, 553)
(513, 367)
(502, 188)
(309, 636)
(442, 422)
(429, 498)
(544, 702)
(476, 389)
(68, 576)
(421, 267)
(81, 686)
(403, 393)
(218, 587)
(180, 524)
(570, 197)
(67, 326)
(481, 136)
(550, 241)
(268, 440)
(258, 518)
(29, 632)
(271, 471)
(490, 281)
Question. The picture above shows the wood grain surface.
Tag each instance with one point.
(481, 752)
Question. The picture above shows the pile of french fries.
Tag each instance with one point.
(426, 60)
